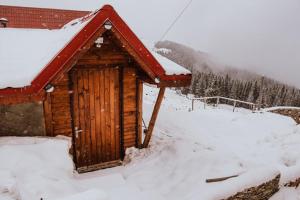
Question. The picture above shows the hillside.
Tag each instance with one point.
(187, 148)
(211, 78)
(200, 61)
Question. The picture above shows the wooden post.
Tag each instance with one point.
(218, 101)
(139, 112)
(193, 101)
(204, 103)
(154, 117)
(261, 92)
(234, 105)
(213, 180)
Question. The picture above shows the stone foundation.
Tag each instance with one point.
(22, 120)
(261, 192)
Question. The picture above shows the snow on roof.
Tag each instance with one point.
(62, 4)
(3, 19)
(25, 52)
(170, 67)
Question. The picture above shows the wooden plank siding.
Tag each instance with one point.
(57, 109)
(130, 107)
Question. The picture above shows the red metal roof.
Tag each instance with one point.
(43, 18)
(65, 56)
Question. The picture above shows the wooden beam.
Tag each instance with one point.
(139, 113)
(20, 99)
(154, 117)
(213, 180)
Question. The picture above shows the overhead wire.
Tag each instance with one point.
(176, 19)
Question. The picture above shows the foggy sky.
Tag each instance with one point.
(259, 35)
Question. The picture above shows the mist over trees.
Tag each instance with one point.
(212, 79)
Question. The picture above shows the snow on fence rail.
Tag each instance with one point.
(252, 106)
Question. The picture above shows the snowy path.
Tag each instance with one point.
(187, 148)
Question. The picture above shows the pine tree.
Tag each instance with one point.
(255, 92)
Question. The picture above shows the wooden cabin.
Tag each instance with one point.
(88, 87)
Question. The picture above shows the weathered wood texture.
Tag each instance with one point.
(110, 53)
(57, 109)
(130, 107)
(96, 116)
(13, 100)
(93, 98)
(97, 104)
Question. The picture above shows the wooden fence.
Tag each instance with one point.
(217, 100)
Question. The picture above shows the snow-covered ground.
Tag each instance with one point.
(187, 148)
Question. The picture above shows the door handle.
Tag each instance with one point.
(77, 131)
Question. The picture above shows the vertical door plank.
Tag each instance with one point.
(75, 107)
(112, 116)
(87, 116)
(102, 105)
(92, 117)
(117, 114)
(81, 136)
(98, 114)
(107, 115)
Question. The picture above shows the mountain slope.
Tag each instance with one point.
(211, 78)
(200, 61)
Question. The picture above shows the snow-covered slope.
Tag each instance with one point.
(187, 148)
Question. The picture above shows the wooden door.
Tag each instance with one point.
(96, 118)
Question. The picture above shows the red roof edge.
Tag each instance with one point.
(55, 66)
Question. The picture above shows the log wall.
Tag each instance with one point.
(110, 54)
(130, 107)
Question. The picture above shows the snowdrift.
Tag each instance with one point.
(187, 148)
